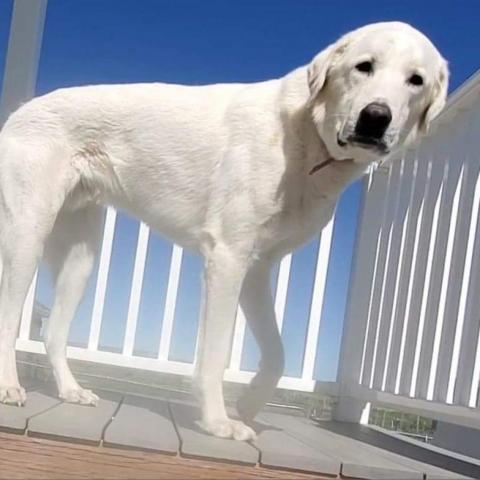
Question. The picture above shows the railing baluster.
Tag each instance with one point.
(386, 290)
(21, 64)
(451, 328)
(422, 332)
(27, 311)
(469, 308)
(282, 289)
(136, 289)
(444, 290)
(351, 351)
(413, 236)
(318, 295)
(102, 278)
(466, 331)
(170, 302)
(402, 287)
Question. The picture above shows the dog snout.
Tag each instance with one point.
(373, 120)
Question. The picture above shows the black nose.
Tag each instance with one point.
(373, 120)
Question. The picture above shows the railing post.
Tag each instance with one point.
(348, 408)
(24, 44)
(19, 79)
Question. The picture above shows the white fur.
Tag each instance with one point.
(220, 169)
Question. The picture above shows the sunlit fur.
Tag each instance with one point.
(220, 169)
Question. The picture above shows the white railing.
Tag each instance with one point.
(19, 84)
(411, 333)
(162, 363)
(412, 327)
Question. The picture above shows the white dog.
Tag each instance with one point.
(240, 173)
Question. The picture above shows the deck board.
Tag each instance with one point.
(28, 458)
(196, 443)
(285, 442)
(15, 419)
(76, 422)
(358, 460)
(280, 450)
(143, 423)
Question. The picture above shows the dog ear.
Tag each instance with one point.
(437, 98)
(317, 70)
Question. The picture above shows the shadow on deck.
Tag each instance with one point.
(130, 436)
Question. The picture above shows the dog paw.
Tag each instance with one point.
(229, 429)
(80, 396)
(14, 395)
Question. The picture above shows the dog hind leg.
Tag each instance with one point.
(28, 208)
(258, 308)
(70, 252)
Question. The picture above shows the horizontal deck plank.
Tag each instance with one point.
(358, 460)
(143, 423)
(24, 457)
(15, 419)
(280, 450)
(196, 443)
(76, 422)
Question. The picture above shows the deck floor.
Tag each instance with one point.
(140, 437)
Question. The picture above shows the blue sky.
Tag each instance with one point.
(197, 42)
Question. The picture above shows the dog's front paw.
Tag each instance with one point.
(13, 395)
(80, 396)
(227, 428)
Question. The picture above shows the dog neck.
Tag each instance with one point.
(320, 165)
(323, 173)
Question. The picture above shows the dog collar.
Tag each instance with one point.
(325, 163)
(319, 166)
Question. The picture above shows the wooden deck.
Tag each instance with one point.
(130, 436)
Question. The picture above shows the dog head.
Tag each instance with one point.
(375, 89)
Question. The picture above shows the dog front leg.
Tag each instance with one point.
(224, 273)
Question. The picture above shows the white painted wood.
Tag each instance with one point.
(426, 290)
(26, 321)
(443, 152)
(157, 365)
(450, 413)
(351, 351)
(419, 284)
(24, 44)
(416, 209)
(461, 221)
(385, 298)
(474, 391)
(19, 80)
(318, 296)
(282, 289)
(465, 383)
(136, 288)
(363, 271)
(102, 278)
(460, 340)
(421, 290)
(170, 302)
(369, 331)
(443, 292)
(376, 287)
(402, 288)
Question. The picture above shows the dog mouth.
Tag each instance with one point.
(367, 143)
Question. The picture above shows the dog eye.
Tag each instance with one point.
(365, 67)
(416, 80)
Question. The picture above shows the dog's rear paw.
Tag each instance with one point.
(14, 395)
(229, 429)
(80, 396)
